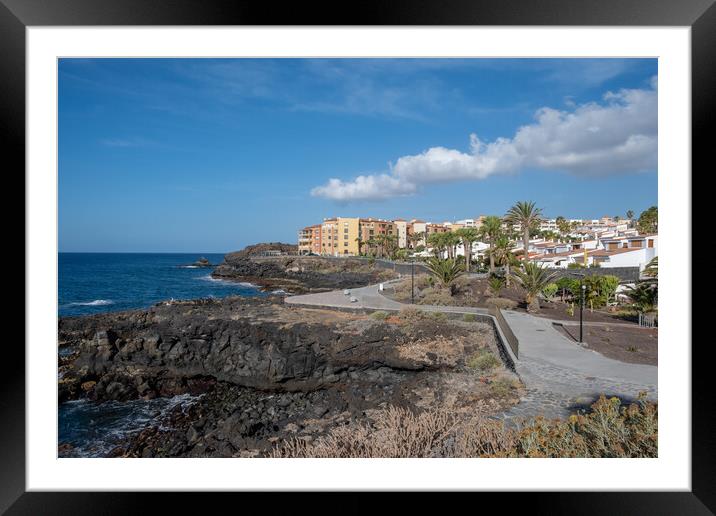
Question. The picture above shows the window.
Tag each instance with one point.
(651, 242)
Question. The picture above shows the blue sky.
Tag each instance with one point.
(210, 155)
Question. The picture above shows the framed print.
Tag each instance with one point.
(413, 249)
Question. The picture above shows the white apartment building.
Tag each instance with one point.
(402, 228)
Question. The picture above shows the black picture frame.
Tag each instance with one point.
(16, 15)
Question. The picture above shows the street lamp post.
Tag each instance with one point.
(412, 280)
(581, 309)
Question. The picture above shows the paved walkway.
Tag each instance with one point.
(560, 376)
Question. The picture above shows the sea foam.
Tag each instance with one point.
(96, 302)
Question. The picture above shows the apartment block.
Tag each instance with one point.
(309, 240)
(401, 229)
(371, 228)
(329, 237)
(348, 236)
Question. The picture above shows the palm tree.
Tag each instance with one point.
(491, 227)
(644, 296)
(415, 238)
(496, 283)
(391, 245)
(503, 255)
(371, 243)
(360, 242)
(445, 271)
(652, 269)
(452, 240)
(438, 243)
(526, 214)
(533, 279)
(383, 242)
(563, 225)
(468, 236)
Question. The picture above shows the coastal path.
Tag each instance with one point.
(560, 376)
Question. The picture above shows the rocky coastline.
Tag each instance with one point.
(299, 274)
(263, 372)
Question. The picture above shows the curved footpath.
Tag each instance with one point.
(559, 375)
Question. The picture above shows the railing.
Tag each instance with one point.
(647, 320)
(511, 338)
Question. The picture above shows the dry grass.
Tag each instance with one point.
(435, 351)
(402, 290)
(503, 387)
(483, 361)
(436, 296)
(610, 430)
(502, 303)
(415, 316)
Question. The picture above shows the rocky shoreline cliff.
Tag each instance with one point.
(300, 274)
(265, 371)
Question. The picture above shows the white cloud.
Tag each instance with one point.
(370, 187)
(618, 135)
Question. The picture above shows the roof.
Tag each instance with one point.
(610, 252)
(564, 254)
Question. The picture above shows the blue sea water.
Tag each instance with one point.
(94, 429)
(91, 283)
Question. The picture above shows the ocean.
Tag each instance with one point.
(91, 283)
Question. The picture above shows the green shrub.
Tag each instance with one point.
(469, 318)
(379, 315)
(483, 361)
(550, 290)
(570, 309)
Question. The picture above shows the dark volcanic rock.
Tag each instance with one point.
(172, 348)
(265, 371)
(262, 248)
(300, 274)
(202, 262)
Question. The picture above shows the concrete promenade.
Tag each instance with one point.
(560, 376)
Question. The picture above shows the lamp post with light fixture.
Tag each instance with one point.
(412, 280)
(581, 309)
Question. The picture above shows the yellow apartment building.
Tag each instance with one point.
(339, 236)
